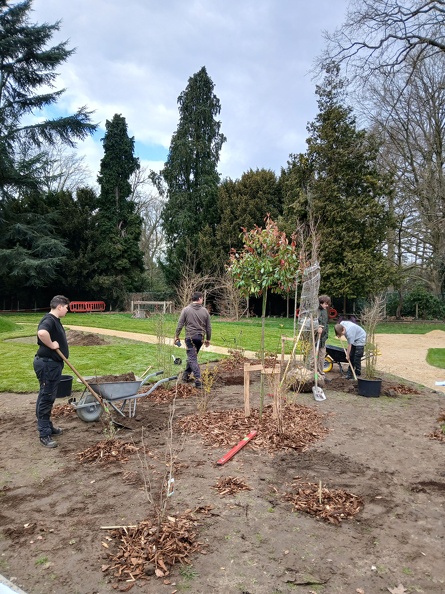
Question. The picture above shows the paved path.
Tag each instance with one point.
(149, 338)
(403, 355)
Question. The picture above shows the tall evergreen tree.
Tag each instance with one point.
(337, 186)
(118, 261)
(244, 203)
(31, 252)
(190, 173)
(27, 65)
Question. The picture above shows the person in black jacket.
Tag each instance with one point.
(323, 330)
(48, 367)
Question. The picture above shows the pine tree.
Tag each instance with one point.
(27, 66)
(117, 259)
(31, 251)
(190, 173)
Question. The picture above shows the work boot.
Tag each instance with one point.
(198, 385)
(48, 442)
(186, 378)
(56, 431)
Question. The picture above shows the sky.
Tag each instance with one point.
(135, 57)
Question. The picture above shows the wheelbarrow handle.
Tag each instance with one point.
(90, 389)
(147, 377)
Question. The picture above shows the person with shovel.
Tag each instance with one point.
(323, 331)
(48, 366)
(198, 331)
(356, 337)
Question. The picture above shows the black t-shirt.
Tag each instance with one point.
(57, 332)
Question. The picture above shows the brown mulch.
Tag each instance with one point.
(330, 505)
(106, 451)
(62, 410)
(230, 485)
(397, 390)
(438, 435)
(163, 395)
(151, 549)
(302, 426)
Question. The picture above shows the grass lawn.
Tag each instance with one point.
(123, 356)
(436, 357)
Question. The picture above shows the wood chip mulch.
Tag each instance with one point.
(398, 390)
(163, 395)
(302, 426)
(331, 505)
(62, 410)
(230, 485)
(107, 451)
(147, 549)
(438, 435)
(236, 360)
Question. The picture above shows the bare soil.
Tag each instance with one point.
(386, 452)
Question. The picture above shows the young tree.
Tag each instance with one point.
(268, 262)
(190, 173)
(337, 186)
(118, 262)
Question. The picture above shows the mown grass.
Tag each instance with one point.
(436, 357)
(123, 356)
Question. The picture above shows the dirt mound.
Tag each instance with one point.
(76, 338)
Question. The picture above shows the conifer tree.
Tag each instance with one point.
(118, 262)
(190, 173)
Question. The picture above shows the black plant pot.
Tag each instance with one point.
(369, 387)
(65, 386)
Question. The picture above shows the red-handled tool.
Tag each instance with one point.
(237, 448)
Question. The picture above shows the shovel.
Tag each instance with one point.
(350, 364)
(85, 383)
(319, 395)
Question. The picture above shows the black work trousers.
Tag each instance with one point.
(48, 373)
(355, 357)
(193, 346)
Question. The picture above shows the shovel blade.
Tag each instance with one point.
(319, 395)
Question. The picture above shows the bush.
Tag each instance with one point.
(430, 307)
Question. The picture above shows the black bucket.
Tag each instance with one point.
(65, 386)
(369, 387)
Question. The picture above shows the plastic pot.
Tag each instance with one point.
(65, 386)
(369, 387)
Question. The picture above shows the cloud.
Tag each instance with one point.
(135, 58)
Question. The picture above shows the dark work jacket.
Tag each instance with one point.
(57, 332)
(323, 320)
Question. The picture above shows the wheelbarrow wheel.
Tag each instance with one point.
(328, 365)
(91, 413)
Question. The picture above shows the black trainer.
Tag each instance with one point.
(57, 431)
(48, 442)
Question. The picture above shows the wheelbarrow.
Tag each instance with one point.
(119, 395)
(337, 355)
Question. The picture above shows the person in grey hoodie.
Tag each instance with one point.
(198, 331)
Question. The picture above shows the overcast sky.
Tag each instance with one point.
(134, 57)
